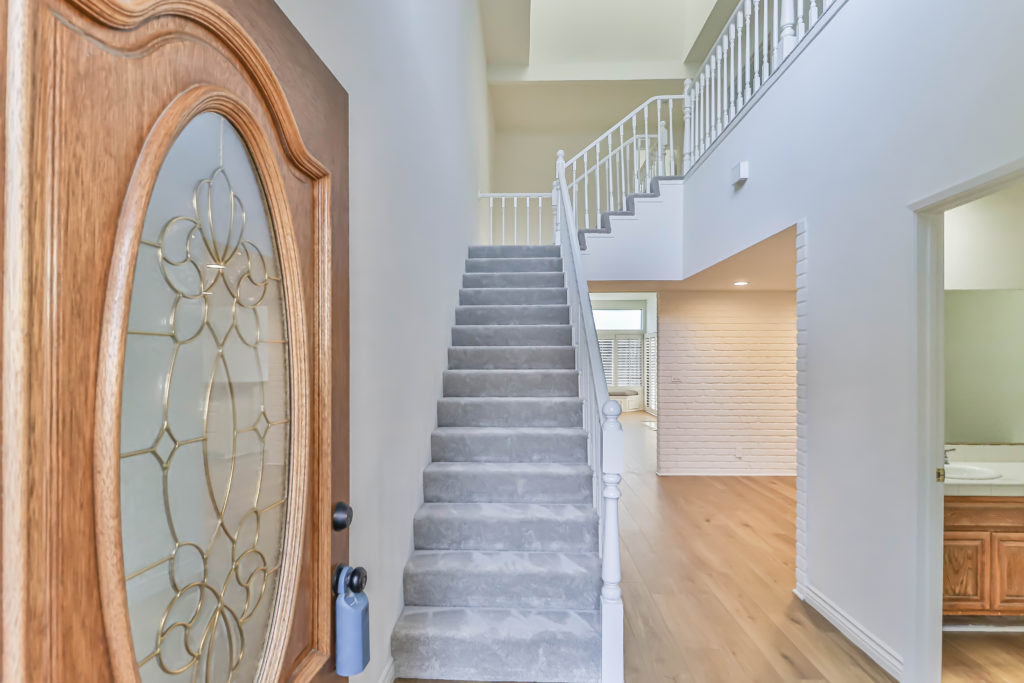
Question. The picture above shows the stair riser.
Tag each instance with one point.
(498, 383)
(512, 315)
(512, 335)
(554, 448)
(541, 588)
(516, 251)
(514, 265)
(502, 296)
(549, 535)
(515, 280)
(497, 412)
(511, 358)
(488, 487)
(481, 646)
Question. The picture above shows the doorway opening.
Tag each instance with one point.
(975, 325)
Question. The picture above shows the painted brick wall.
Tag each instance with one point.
(727, 383)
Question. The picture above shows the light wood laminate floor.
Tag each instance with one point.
(708, 573)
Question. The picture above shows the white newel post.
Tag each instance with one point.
(688, 135)
(787, 28)
(612, 460)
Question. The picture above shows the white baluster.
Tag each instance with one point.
(597, 182)
(777, 34)
(730, 51)
(647, 137)
(716, 100)
(671, 139)
(586, 194)
(610, 177)
(755, 31)
(490, 219)
(766, 38)
(540, 220)
(745, 25)
(812, 14)
(687, 125)
(801, 28)
(555, 217)
(636, 157)
(527, 220)
(787, 28)
(622, 166)
(575, 196)
(662, 144)
(515, 220)
(706, 115)
(612, 444)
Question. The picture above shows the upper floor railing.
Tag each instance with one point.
(755, 42)
(668, 134)
(624, 160)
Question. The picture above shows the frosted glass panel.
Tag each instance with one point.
(205, 416)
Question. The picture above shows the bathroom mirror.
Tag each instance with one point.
(984, 355)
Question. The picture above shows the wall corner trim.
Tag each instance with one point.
(388, 674)
(884, 656)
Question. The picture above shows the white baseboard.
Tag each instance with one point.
(883, 655)
(388, 674)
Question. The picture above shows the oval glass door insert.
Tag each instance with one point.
(205, 416)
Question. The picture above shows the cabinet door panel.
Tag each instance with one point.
(1008, 572)
(965, 572)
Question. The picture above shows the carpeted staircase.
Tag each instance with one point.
(504, 583)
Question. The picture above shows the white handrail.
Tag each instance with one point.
(604, 433)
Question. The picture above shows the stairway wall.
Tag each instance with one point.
(863, 124)
(419, 145)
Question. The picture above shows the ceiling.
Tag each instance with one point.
(769, 265)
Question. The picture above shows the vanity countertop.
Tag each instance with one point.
(1011, 483)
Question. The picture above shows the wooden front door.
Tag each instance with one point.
(174, 342)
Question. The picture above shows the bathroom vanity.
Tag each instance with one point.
(983, 555)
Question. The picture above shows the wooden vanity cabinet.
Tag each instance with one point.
(983, 556)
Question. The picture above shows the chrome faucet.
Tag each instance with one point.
(945, 454)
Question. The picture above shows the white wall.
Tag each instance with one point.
(727, 383)
(984, 240)
(893, 101)
(647, 245)
(415, 75)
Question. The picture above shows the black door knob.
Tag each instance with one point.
(341, 518)
(355, 580)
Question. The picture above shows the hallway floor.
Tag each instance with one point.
(708, 566)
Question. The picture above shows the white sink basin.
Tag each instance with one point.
(959, 470)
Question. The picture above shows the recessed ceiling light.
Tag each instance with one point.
(740, 283)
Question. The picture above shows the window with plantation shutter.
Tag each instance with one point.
(622, 355)
(651, 373)
(628, 360)
(607, 347)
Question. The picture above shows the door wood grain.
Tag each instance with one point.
(965, 575)
(85, 84)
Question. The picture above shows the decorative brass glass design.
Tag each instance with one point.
(205, 416)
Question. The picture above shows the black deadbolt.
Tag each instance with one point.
(341, 518)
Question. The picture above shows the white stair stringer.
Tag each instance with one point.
(644, 242)
(504, 583)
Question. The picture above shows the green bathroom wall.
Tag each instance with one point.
(984, 350)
